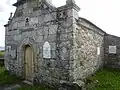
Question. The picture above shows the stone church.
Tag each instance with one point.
(53, 45)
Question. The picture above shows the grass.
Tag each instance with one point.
(106, 79)
(7, 79)
(2, 54)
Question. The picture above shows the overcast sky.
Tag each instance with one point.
(103, 13)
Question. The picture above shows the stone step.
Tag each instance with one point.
(27, 82)
(12, 87)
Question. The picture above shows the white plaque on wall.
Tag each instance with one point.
(46, 50)
(98, 50)
(112, 49)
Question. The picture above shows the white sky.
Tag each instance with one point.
(103, 13)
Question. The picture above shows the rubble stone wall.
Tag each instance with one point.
(88, 52)
(112, 59)
(34, 27)
(76, 46)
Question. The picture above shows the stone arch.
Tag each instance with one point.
(46, 50)
(28, 62)
(26, 42)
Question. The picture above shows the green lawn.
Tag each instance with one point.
(106, 79)
(2, 54)
(7, 79)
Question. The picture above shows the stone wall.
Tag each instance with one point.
(34, 27)
(88, 53)
(76, 46)
(112, 59)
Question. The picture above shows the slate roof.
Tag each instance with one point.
(87, 21)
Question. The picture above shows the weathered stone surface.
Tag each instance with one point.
(85, 58)
(76, 46)
(112, 59)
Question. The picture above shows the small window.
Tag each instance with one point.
(112, 49)
(46, 50)
(9, 48)
(27, 22)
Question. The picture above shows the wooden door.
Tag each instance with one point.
(28, 63)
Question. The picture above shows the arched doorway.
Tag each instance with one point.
(28, 62)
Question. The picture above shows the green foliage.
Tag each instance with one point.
(106, 79)
(6, 78)
(2, 54)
